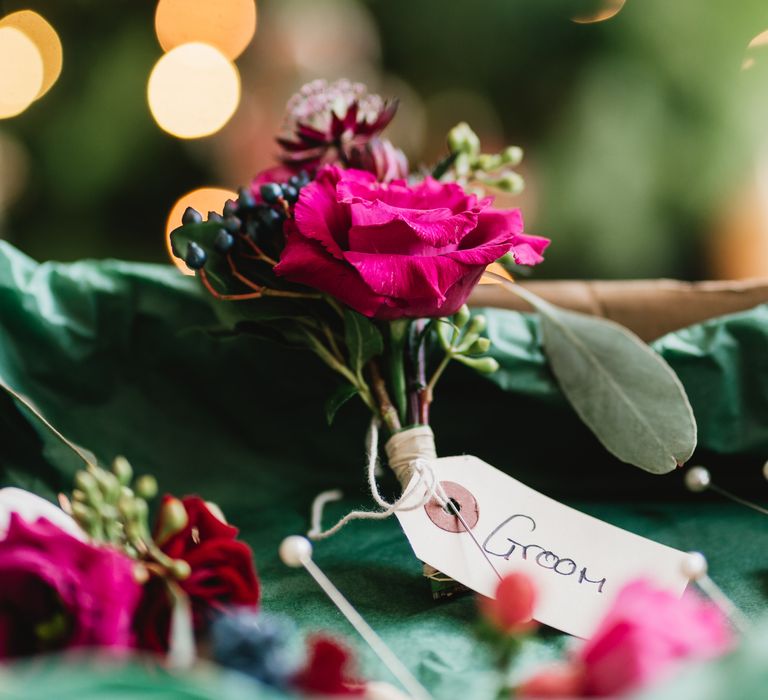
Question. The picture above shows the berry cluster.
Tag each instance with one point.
(259, 217)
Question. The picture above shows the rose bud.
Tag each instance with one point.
(511, 611)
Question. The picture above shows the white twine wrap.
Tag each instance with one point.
(405, 448)
(408, 453)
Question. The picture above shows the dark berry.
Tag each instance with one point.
(195, 257)
(304, 177)
(214, 216)
(269, 218)
(294, 181)
(191, 216)
(224, 241)
(232, 224)
(271, 192)
(245, 198)
(290, 193)
(230, 208)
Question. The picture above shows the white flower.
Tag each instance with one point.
(31, 507)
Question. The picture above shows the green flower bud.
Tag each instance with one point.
(462, 139)
(479, 347)
(108, 485)
(444, 334)
(462, 165)
(484, 365)
(180, 569)
(78, 495)
(83, 513)
(509, 181)
(126, 506)
(477, 324)
(512, 156)
(469, 339)
(172, 519)
(488, 162)
(108, 512)
(462, 316)
(146, 486)
(122, 470)
(86, 483)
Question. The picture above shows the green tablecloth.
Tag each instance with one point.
(117, 356)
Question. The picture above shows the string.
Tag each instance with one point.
(388, 658)
(407, 466)
(426, 481)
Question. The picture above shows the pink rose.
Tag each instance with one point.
(644, 634)
(58, 591)
(394, 250)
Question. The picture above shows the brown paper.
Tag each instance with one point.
(650, 308)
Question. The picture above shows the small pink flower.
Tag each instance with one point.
(397, 250)
(511, 611)
(646, 632)
(58, 591)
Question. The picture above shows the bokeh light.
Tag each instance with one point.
(193, 91)
(229, 25)
(204, 199)
(45, 38)
(20, 86)
(607, 9)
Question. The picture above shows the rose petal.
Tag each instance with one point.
(307, 262)
(319, 216)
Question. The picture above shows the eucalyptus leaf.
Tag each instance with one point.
(364, 340)
(623, 391)
(344, 392)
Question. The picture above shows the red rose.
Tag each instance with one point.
(222, 572)
(394, 250)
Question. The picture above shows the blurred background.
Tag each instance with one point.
(644, 122)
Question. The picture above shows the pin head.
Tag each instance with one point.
(695, 566)
(697, 479)
(295, 550)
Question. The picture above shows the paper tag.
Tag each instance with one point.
(578, 563)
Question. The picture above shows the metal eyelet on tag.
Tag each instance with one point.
(463, 500)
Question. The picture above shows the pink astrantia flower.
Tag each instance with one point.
(398, 250)
(325, 120)
(644, 634)
(59, 591)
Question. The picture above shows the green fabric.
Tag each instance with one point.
(117, 357)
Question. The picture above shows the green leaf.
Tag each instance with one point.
(344, 392)
(625, 392)
(364, 341)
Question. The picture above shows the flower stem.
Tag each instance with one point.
(388, 412)
(398, 333)
(328, 357)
